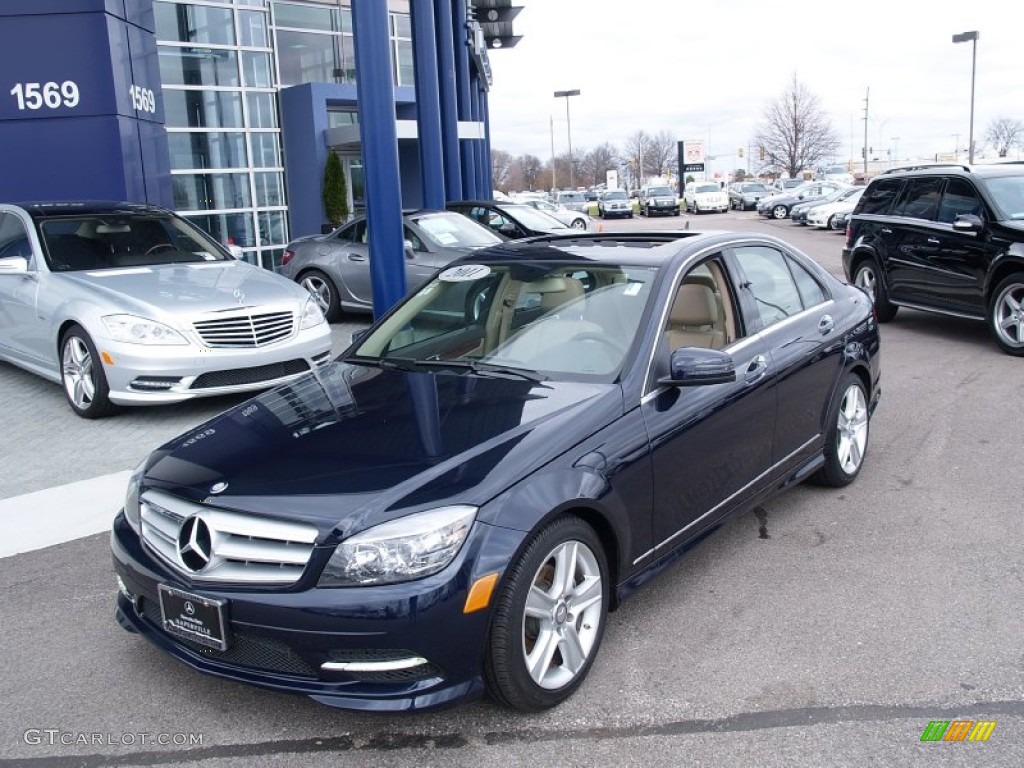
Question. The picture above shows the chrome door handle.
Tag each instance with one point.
(756, 369)
(886, 231)
(825, 325)
(934, 241)
(356, 257)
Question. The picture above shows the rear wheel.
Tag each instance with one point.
(846, 443)
(549, 619)
(82, 376)
(1006, 314)
(780, 212)
(323, 289)
(867, 276)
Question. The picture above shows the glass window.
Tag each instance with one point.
(262, 110)
(228, 228)
(202, 109)
(210, 191)
(266, 150)
(194, 24)
(252, 29)
(13, 238)
(401, 25)
(306, 17)
(269, 189)
(348, 59)
(207, 150)
(959, 198)
(403, 63)
(336, 118)
(256, 70)
(920, 199)
(879, 196)
(770, 283)
(304, 57)
(198, 66)
(811, 292)
(273, 227)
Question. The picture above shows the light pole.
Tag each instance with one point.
(568, 128)
(971, 37)
(896, 149)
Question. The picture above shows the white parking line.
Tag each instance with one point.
(64, 513)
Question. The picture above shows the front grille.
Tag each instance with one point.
(254, 375)
(233, 547)
(246, 330)
(251, 651)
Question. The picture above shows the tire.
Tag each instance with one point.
(780, 212)
(568, 620)
(82, 377)
(629, 215)
(323, 289)
(1006, 314)
(579, 224)
(600, 213)
(866, 275)
(830, 221)
(846, 441)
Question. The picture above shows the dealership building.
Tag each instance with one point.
(226, 110)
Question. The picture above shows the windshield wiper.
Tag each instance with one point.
(480, 368)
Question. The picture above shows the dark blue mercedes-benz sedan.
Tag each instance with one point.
(456, 503)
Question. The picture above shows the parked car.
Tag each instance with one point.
(702, 196)
(335, 268)
(778, 206)
(837, 173)
(510, 221)
(572, 199)
(660, 199)
(744, 195)
(841, 219)
(946, 239)
(824, 216)
(799, 212)
(127, 304)
(614, 202)
(458, 501)
(567, 216)
(785, 185)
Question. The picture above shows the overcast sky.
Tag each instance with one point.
(707, 70)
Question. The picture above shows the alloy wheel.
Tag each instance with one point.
(79, 376)
(1008, 316)
(852, 429)
(866, 279)
(320, 290)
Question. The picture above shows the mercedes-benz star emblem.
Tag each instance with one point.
(219, 487)
(189, 608)
(195, 546)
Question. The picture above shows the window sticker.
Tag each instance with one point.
(464, 273)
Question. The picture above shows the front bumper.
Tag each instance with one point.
(142, 375)
(282, 638)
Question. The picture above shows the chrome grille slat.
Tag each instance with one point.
(246, 330)
(243, 548)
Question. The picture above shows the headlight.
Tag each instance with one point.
(131, 497)
(400, 550)
(139, 330)
(311, 315)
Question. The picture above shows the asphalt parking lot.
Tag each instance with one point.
(826, 629)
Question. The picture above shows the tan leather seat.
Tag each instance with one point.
(695, 319)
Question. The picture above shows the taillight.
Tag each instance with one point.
(849, 234)
(287, 257)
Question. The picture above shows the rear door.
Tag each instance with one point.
(22, 331)
(915, 240)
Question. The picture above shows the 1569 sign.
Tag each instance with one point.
(33, 96)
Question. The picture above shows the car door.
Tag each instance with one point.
(794, 315)
(350, 261)
(422, 259)
(915, 240)
(21, 330)
(709, 443)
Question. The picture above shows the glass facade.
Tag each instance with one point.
(222, 63)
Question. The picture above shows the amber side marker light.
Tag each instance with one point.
(480, 593)
(107, 358)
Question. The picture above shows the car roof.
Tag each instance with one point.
(1010, 168)
(42, 209)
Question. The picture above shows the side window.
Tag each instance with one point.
(811, 292)
(920, 199)
(13, 238)
(354, 234)
(770, 283)
(879, 195)
(702, 313)
(959, 198)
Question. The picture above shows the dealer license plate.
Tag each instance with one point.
(193, 617)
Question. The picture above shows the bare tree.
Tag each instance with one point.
(796, 131)
(501, 169)
(598, 162)
(664, 154)
(636, 156)
(1005, 133)
(530, 167)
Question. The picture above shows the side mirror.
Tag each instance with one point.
(14, 265)
(968, 222)
(357, 335)
(697, 366)
(236, 251)
(409, 252)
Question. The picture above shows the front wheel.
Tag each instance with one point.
(549, 619)
(1006, 314)
(578, 224)
(866, 276)
(82, 377)
(846, 443)
(780, 212)
(324, 291)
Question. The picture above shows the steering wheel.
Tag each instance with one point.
(159, 247)
(600, 338)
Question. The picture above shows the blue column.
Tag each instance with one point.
(379, 137)
(464, 96)
(449, 105)
(485, 116)
(483, 158)
(428, 103)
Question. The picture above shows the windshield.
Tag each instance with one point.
(117, 240)
(615, 194)
(453, 230)
(571, 197)
(1008, 195)
(660, 192)
(564, 321)
(533, 218)
(700, 188)
(754, 188)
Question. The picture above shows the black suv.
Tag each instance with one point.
(947, 239)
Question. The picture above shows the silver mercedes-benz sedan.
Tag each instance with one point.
(128, 304)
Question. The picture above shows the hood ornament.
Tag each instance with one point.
(219, 487)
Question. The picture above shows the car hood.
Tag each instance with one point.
(170, 290)
(351, 446)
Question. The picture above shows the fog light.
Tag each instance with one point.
(123, 589)
(155, 383)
